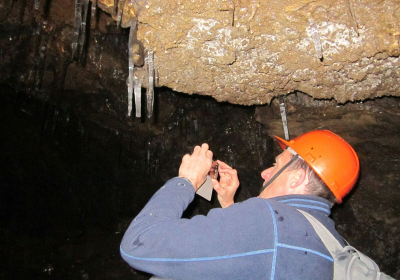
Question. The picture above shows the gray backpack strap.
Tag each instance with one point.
(330, 242)
(349, 263)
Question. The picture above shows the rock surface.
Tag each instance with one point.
(242, 52)
(247, 52)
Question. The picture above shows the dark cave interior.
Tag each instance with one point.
(72, 180)
(71, 185)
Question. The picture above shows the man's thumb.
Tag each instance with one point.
(216, 185)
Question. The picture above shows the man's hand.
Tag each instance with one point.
(195, 167)
(227, 185)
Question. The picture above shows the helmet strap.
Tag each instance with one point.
(279, 173)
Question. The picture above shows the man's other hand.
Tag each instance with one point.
(227, 185)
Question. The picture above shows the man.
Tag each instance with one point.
(265, 237)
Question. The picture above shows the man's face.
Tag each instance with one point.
(280, 185)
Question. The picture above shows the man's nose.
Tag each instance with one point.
(266, 174)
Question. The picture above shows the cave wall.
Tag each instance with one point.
(73, 177)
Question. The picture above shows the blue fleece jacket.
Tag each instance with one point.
(255, 239)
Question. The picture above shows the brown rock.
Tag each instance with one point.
(247, 52)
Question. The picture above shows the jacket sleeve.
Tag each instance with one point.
(160, 242)
(144, 241)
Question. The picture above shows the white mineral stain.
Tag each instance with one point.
(335, 38)
(200, 28)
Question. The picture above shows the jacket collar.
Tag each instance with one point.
(306, 202)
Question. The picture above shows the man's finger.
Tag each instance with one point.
(185, 157)
(204, 149)
(196, 150)
(223, 164)
(229, 171)
(217, 187)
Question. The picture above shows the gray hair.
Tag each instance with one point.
(315, 184)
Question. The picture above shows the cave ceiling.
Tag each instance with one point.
(242, 52)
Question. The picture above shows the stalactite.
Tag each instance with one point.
(40, 60)
(78, 26)
(156, 165)
(64, 60)
(98, 40)
(121, 6)
(36, 42)
(82, 38)
(138, 96)
(132, 37)
(283, 115)
(315, 38)
(94, 8)
(37, 4)
(352, 16)
(150, 85)
(93, 16)
(130, 95)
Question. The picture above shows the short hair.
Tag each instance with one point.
(315, 184)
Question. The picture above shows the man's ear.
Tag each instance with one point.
(298, 177)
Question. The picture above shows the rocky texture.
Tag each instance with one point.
(247, 52)
(242, 52)
(36, 53)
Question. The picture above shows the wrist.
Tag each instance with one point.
(195, 181)
(190, 181)
(225, 204)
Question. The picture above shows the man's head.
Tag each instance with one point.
(318, 163)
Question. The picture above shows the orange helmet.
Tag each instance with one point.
(332, 158)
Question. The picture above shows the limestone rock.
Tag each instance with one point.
(247, 52)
